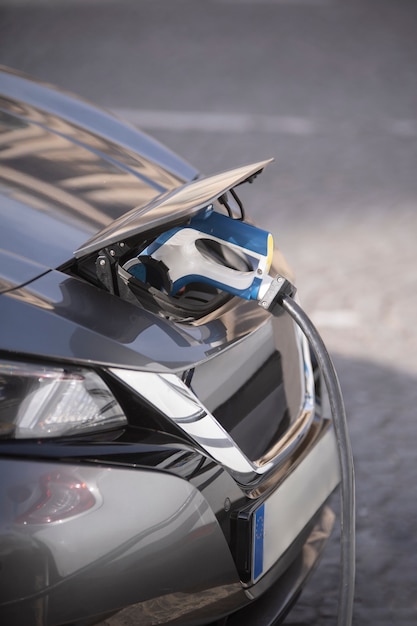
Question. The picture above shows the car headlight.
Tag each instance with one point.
(42, 401)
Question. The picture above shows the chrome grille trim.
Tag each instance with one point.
(168, 394)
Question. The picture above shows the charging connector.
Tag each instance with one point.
(275, 292)
(279, 297)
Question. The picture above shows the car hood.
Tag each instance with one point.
(64, 177)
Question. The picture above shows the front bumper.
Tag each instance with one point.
(266, 529)
(148, 538)
(273, 605)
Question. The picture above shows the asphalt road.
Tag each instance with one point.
(328, 88)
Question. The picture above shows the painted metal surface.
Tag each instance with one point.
(121, 546)
(72, 320)
(16, 89)
(183, 201)
(63, 179)
(17, 270)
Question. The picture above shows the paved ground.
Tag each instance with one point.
(329, 88)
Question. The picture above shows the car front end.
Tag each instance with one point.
(166, 454)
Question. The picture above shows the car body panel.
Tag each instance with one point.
(68, 322)
(17, 270)
(130, 527)
(184, 201)
(20, 91)
(60, 570)
(66, 181)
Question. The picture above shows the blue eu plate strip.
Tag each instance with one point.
(258, 542)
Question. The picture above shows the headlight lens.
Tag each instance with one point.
(38, 401)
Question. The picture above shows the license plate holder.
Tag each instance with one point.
(264, 530)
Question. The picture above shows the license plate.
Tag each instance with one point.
(266, 531)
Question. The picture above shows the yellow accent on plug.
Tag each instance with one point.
(270, 252)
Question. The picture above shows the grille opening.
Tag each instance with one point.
(247, 414)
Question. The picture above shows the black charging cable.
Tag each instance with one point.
(279, 296)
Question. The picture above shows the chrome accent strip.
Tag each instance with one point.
(289, 441)
(171, 396)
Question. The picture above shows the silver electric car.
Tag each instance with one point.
(167, 454)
